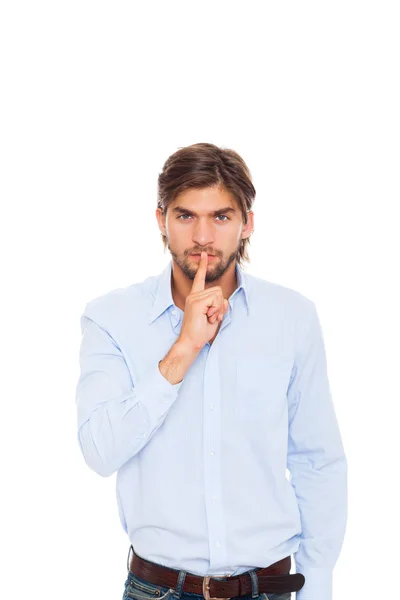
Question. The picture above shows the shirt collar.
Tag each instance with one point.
(163, 294)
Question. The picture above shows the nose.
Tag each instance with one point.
(203, 235)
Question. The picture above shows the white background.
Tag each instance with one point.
(94, 97)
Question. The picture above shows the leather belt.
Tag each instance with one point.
(275, 579)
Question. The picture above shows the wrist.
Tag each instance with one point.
(186, 348)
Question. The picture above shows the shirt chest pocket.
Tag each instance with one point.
(261, 386)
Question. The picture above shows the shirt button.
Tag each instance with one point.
(173, 312)
(212, 452)
(212, 406)
(218, 544)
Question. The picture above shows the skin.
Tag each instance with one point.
(198, 229)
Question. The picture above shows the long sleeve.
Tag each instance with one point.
(116, 417)
(316, 461)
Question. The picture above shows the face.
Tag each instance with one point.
(207, 219)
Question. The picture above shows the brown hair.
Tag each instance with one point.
(204, 165)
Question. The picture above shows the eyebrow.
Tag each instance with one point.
(181, 209)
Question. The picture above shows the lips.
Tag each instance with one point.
(210, 256)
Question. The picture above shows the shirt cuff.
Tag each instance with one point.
(157, 393)
(317, 585)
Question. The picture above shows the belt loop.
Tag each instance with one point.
(254, 583)
(127, 560)
(179, 586)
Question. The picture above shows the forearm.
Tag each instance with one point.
(122, 425)
(117, 417)
(321, 492)
(176, 363)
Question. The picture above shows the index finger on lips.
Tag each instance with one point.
(200, 277)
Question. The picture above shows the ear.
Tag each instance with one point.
(249, 227)
(160, 220)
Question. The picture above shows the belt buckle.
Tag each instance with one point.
(206, 586)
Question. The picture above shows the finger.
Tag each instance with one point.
(200, 277)
(217, 314)
(217, 317)
(221, 314)
(214, 309)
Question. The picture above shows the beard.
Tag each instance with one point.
(215, 269)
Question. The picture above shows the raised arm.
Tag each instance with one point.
(116, 417)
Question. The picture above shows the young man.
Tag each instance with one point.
(199, 387)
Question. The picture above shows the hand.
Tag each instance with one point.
(204, 309)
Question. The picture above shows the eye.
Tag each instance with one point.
(186, 215)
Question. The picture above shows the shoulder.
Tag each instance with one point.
(116, 306)
(278, 297)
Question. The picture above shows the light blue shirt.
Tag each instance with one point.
(238, 465)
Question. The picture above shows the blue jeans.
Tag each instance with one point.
(140, 589)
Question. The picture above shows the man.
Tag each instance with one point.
(200, 386)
